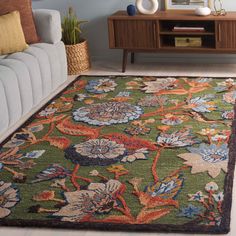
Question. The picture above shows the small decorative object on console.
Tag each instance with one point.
(186, 4)
(219, 10)
(188, 29)
(131, 10)
(203, 11)
(188, 42)
(153, 9)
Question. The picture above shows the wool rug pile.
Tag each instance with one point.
(125, 153)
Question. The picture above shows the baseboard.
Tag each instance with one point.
(171, 58)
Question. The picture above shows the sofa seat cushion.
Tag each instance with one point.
(12, 93)
(55, 64)
(2, 56)
(45, 70)
(31, 76)
(35, 75)
(4, 118)
(24, 82)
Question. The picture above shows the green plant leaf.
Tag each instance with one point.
(71, 28)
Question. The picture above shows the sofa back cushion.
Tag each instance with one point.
(26, 15)
(12, 38)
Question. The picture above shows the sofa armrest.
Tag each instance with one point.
(48, 25)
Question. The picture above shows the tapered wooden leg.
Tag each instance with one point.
(125, 55)
(132, 58)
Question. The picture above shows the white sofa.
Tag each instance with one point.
(26, 78)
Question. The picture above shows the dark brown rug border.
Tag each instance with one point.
(224, 228)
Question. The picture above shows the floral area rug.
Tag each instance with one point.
(125, 153)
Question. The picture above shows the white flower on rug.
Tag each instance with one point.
(47, 112)
(96, 152)
(98, 198)
(108, 113)
(8, 198)
(103, 85)
(202, 104)
(181, 138)
(210, 158)
(159, 84)
(138, 155)
(211, 187)
(230, 97)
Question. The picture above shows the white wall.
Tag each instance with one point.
(97, 11)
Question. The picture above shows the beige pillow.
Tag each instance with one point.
(12, 38)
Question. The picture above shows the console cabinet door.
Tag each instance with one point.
(226, 34)
(135, 34)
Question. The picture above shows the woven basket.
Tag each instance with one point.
(78, 58)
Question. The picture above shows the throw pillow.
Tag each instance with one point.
(26, 15)
(12, 38)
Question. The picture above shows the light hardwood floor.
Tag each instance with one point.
(148, 69)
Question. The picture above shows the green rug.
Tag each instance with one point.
(125, 153)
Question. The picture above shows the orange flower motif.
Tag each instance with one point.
(133, 85)
(99, 96)
(89, 101)
(208, 131)
(149, 121)
(44, 196)
(117, 169)
(137, 122)
(163, 128)
(121, 99)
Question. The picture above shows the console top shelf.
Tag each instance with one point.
(175, 15)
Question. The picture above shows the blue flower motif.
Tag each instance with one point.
(181, 138)
(204, 80)
(228, 115)
(34, 154)
(80, 97)
(123, 94)
(198, 196)
(102, 85)
(190, 211)
(19, 139)
(108, 113)
(202, 104)
(53, 171)
(212, 153)
(220, 89)
(225, 85)
(1, 166)
(167, 188)
(36, 128)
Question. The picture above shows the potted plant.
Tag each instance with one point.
(76, 47)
